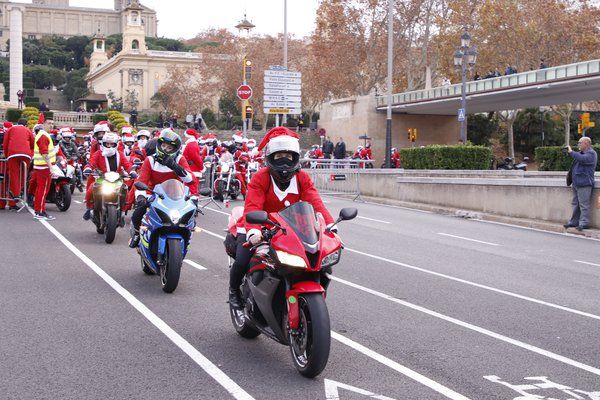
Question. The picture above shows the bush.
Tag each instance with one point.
(13, 114)
(99, 117)
(447, 157)
(553, 158)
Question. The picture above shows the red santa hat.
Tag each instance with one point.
(128, 138)
(102, 126)
(7, 125)
(210, 136)
(126, 129)
(191, 134)
(280, 139)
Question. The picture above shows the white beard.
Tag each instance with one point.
(109, 152)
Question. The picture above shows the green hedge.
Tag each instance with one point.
(13, 114)
(99, 117)
(553, 158)
(447, 157)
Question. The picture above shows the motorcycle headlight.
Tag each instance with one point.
(112, 177)
(225, 168)
(175, 216)
(107, 188)
(331, 259)
(290, 259)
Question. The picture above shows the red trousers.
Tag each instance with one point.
(15, 174)
(40, 182)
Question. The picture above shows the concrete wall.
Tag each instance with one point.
(535, 195)
(356, 116)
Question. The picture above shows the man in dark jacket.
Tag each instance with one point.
(584, 165)
(327, 148)
(339, 153)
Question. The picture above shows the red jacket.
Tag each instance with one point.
(153, 173)
(366, 154)
(193, 157)
(395, 159)
(99, 162)
(18, 141)
(264, 195)
(134, 156)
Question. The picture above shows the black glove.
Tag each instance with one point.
(179, 170)
(141, 201)
(133, 174)
(169, 162)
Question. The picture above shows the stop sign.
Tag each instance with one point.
(244, 92)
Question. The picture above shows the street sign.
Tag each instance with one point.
(283, 86)
(283, 92)
(461, 115)
(275, 110)
(291, 99)
(277, 68)
(244, 92)
(287, 74)
(282, 79)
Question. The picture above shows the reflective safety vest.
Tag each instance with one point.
(38, 159)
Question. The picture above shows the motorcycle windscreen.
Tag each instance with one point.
(173, 189)
(301, 218)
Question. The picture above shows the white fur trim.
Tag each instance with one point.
(283, 143)
(291, 189)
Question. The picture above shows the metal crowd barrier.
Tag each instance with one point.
(5, 194)
(336, 177)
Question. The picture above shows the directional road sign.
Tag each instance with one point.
(283, 92)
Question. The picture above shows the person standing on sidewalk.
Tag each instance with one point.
(327, 149)
(582, 175)
(44, 156)
(18, 149)
(339, 152)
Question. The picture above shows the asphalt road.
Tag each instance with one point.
(423, 306)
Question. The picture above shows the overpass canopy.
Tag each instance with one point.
(572, 83)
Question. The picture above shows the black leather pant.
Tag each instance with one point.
(240, 265)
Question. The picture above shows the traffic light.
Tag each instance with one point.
(585, 123)
(412, 135)
(579, 129)
(248, 112)
(248, 69)
(409, 134)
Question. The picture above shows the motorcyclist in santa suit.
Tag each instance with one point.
(165, 163)
(272, 189)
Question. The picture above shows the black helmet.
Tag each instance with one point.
(280, 141)
(167, 136)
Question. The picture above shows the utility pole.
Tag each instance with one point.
(285, 49)
(390, 70)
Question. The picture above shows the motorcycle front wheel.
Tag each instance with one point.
(63, 198)
(112, 220)
(169, 273)
(311, 342)
(241, 324)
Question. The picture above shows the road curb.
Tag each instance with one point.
(479, 215)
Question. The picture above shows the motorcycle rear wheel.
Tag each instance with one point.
(241, 324)
(63, 198)
(169, 273)
(310, 348)
(112, 221)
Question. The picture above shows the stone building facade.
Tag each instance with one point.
(57, 17)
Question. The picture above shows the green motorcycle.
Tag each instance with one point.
(109, 195)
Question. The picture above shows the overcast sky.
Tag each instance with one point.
(185, 18)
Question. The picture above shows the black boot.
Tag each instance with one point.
(87, 215)
(135, 238)
(235, 299)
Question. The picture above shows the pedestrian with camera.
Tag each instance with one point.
(581, 176)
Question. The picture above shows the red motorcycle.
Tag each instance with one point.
(285, 288)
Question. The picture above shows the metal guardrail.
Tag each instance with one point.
(540, 76)
(5, 193)
(337, 177)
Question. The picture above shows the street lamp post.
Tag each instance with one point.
(464, 60)
(390, 70)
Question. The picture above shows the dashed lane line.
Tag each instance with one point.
(195, 265)
(373, 219)
(478, 285)
(467, 239)
(438, 387)
(475, 328)
(587, 263)
(211, 369)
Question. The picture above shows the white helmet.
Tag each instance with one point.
(141, 133)
(237, 139)
(110, 142)
(101, 127)
(66, 133)
(251, 144)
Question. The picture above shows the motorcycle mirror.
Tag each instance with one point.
(346, 214)
(141, 186)
(526, 159)
(205, 192)
(257, 217)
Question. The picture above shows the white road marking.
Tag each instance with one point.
(587, 263)
(383, 205)
(475, 328)
(373, 219)
(78, 202)
(233, 388)
(332, 393)
(195, 265)
(217, 211)
(478, 285)
(470, 240)
(438, 387)
(535, 229)
(212, 234)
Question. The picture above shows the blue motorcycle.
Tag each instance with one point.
(166, 231)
